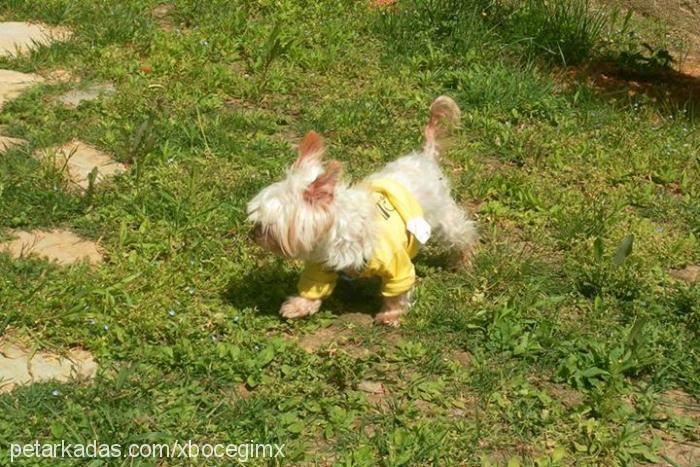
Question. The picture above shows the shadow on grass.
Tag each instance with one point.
(439, 259)
(669, 90)
(264, 289)
(356, 296)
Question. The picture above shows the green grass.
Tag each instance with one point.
(573, 336)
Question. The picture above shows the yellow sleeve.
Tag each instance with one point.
(315, 282)
(398, 276)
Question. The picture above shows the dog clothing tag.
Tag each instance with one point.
(419, 228)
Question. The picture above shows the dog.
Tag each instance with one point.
(373, 228)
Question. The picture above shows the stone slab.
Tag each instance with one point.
(20, 366)
(61, 246)
(19, 38)
(13, 83)
(7, 142)
(79, 159)
(74, 97)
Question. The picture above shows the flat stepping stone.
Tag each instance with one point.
(13, 83)
(17, 38)
(62, 246)
(7, 142)
(14, 368)
(79, 159)
(74, 97)
(20, 366)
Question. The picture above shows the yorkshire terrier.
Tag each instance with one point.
(373, 228)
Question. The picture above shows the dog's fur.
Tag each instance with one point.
(312, 215)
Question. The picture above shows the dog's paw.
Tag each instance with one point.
(389, 318)
(467, 254)
(393, 308)
(298, 307)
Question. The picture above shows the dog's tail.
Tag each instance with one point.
(444, 115)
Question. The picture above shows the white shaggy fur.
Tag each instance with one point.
(312, 216)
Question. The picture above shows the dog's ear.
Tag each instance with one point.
(311, 149)
(321, 191)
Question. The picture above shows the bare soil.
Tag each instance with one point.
(682, 17)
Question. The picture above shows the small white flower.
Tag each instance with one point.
(55, 393)
(171, 313)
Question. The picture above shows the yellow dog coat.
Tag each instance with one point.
(401, 227)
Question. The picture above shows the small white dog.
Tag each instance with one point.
(373, 228)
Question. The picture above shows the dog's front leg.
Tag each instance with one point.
(392, 309)
(298, 307)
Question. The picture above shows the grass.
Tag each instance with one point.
(585, 200)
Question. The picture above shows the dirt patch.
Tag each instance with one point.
(677, 403)
(13, 83)
(60, 76)
(682, 17)
(681, 453)
(464, 406)
(74, 97)
(323, 339)
(565, 395)
(690, 273)
(690, 66)
(352, 320)
(7, 142)
(161, 14)
(678, 86)
(681, 404)
(375, 391)
(660, 86)
(338, 335)
(371, 387)
(289, 136)
(19, 365)
(243, 392)
(78, 160)
(491, 165)
(18, 38)
(382, 3)
(462, 357)
(61, 246)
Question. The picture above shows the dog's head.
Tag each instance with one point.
(292, 215)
